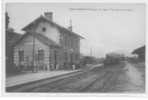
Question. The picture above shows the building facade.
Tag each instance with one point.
(140, 52)
(47, 46)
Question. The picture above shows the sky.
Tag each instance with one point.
(105, 27)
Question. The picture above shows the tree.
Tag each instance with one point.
(7, 20)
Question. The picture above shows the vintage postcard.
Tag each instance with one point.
(74, 47)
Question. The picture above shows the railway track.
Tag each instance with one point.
(72, 84)
(28, 87)
(99, 81)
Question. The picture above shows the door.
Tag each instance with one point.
(55, 59)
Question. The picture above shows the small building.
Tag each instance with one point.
(140, 52)
(11, 38)
(47, 46)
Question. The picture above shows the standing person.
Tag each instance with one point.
(73, 66)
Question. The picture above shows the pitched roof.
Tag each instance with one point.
(41, 38)
(139, 50)
(61, 28)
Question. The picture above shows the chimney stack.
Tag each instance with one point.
(70, 27)
(49, 15)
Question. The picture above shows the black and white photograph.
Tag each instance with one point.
(75, 48)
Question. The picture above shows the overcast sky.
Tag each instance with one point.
(105, 27)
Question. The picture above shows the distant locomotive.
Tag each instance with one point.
(113, 58)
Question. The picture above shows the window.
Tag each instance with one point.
(61, 37)
(21, 55)
(41, 54)
(65, 41)
(71, 57)
(65, 54)
(77, 56)
(68, 42)
(43, 29)
(72, 43)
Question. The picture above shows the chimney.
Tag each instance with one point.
(49, 15)
(70, 27)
